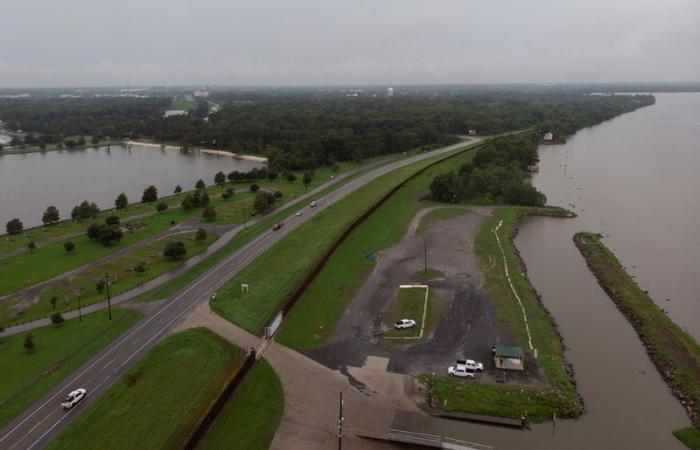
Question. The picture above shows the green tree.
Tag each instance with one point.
(50, 216)
(109, 235)
(112, 221)
(209, 214)
(57, 318)
(272, 175)
(69, 246)
(220, 178)
(204, 200)
(178, 189)
(162, 206)
(187, 203)
(150, 194)
(447, 187)
(308, 177)
(29, 344)
(121, 202)
(201, 235)
(200, 184)
(291, 177)
(85, 210)
(254, 188)
(174, 250)
(53, 301)
(14, 226)
(31, 246)
(261, 202)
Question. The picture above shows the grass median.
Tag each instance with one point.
(251, 417)
(161, 400)
(26, 376)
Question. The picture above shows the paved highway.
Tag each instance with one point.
(40, 423)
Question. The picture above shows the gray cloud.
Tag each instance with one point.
(100, 42)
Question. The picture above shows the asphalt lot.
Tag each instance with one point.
(45, 419)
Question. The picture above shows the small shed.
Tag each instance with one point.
(509, 358)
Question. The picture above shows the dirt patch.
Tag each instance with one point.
(467, 327)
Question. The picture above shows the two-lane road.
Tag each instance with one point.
(45, 419)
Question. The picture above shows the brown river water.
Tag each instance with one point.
(63, 178)
(634, 180)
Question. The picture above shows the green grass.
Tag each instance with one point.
(273, 276)
(437, 215)
(315, 315)
(689, 436)
(501, 400)
(122, 276)
(182, 104)
(406, 304)
(674, 352)
(429, 274)
(161, 400)
(249, 420)
(59, 352)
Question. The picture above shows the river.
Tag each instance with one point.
(634, 180)
(30, 182)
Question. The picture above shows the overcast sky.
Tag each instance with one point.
(302, 42)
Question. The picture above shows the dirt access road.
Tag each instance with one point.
(468, 327)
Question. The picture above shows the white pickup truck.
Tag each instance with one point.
(461, 371)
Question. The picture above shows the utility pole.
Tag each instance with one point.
(109, 297)
(340, 423)
(425, 255)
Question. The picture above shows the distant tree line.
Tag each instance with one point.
(298, 131)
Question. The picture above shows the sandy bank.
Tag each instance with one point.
(259, 159)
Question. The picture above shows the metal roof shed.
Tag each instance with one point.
(509, 358)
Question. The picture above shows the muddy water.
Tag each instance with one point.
(31, 182)
(631, 179)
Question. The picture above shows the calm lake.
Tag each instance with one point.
(634, 180)
(32, 181)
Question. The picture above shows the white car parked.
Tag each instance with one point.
(404, 323)
(313, 204)
(461, 371)
(73, 398)
(470, 363)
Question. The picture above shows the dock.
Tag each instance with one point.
(480, 418)
(422, 439)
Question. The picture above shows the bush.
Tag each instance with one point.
(200, 184)
(150, 194)
(112, 221)
(69, 246)
(29, 344)
(209, 214)
(14, 226)
(57, 318)
(174, 250)
(162, 206)
(201, 235)
(254, 188)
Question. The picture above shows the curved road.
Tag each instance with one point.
(40, 423)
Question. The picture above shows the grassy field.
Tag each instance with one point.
(689, 436)
(182, 104)
(273, 276)
(675, 354)
(249, 420)
(160, 401)
(314, 317)
(408, 304)
(501, 400)
(59, 352)
(559, 393)
(121, 273)
(438, 214)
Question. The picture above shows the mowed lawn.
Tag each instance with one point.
(59, 351)
(250, 419)
(160, 401)
(314, 317)
(273, 276)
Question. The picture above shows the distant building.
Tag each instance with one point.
(175, 112)
(548, 136)
(390, 92)
(471, 132)
(509, 358)
(200, 93)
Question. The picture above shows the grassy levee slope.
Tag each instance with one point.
(273, 276)
(59, 351)
(674, 352)
(559, 391)
(251, 417)
(160, 401)
(314, 317)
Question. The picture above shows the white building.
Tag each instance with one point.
(200, 93)
(174, 112)
(390, 92)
